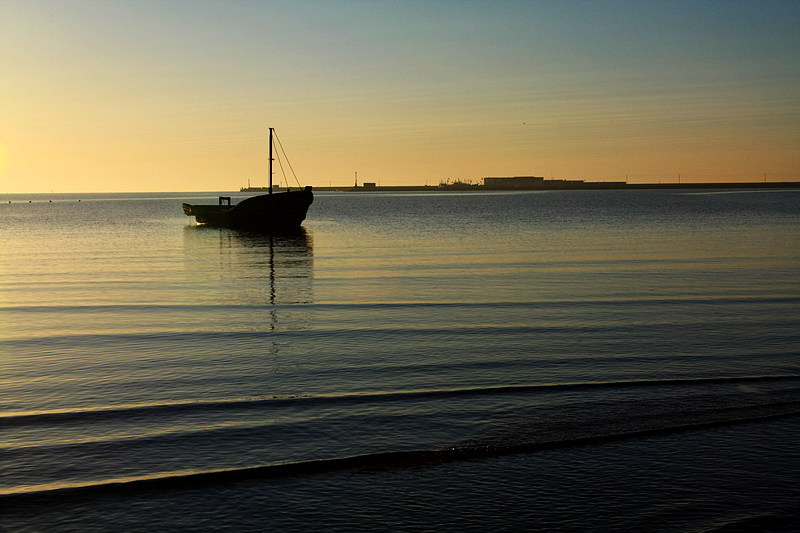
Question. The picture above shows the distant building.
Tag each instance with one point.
(517, 182)
(369, 185)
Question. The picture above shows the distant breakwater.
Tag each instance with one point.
(556, 185)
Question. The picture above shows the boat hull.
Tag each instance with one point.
(279, 211)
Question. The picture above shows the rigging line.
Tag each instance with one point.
(280, 164)
(280, 146)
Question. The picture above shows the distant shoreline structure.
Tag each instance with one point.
(536, 183)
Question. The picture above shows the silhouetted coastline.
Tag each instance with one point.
(530, 183)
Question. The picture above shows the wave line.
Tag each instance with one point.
(28, 418)
(374, 461)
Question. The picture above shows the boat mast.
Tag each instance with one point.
(270, 160)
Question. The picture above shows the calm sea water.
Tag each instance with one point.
(606, 360)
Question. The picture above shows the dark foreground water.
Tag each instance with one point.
(615, 360)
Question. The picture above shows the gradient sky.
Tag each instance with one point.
(178, 96)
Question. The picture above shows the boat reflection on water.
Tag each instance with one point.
(254, 268)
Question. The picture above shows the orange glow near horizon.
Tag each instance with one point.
(107, 97)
